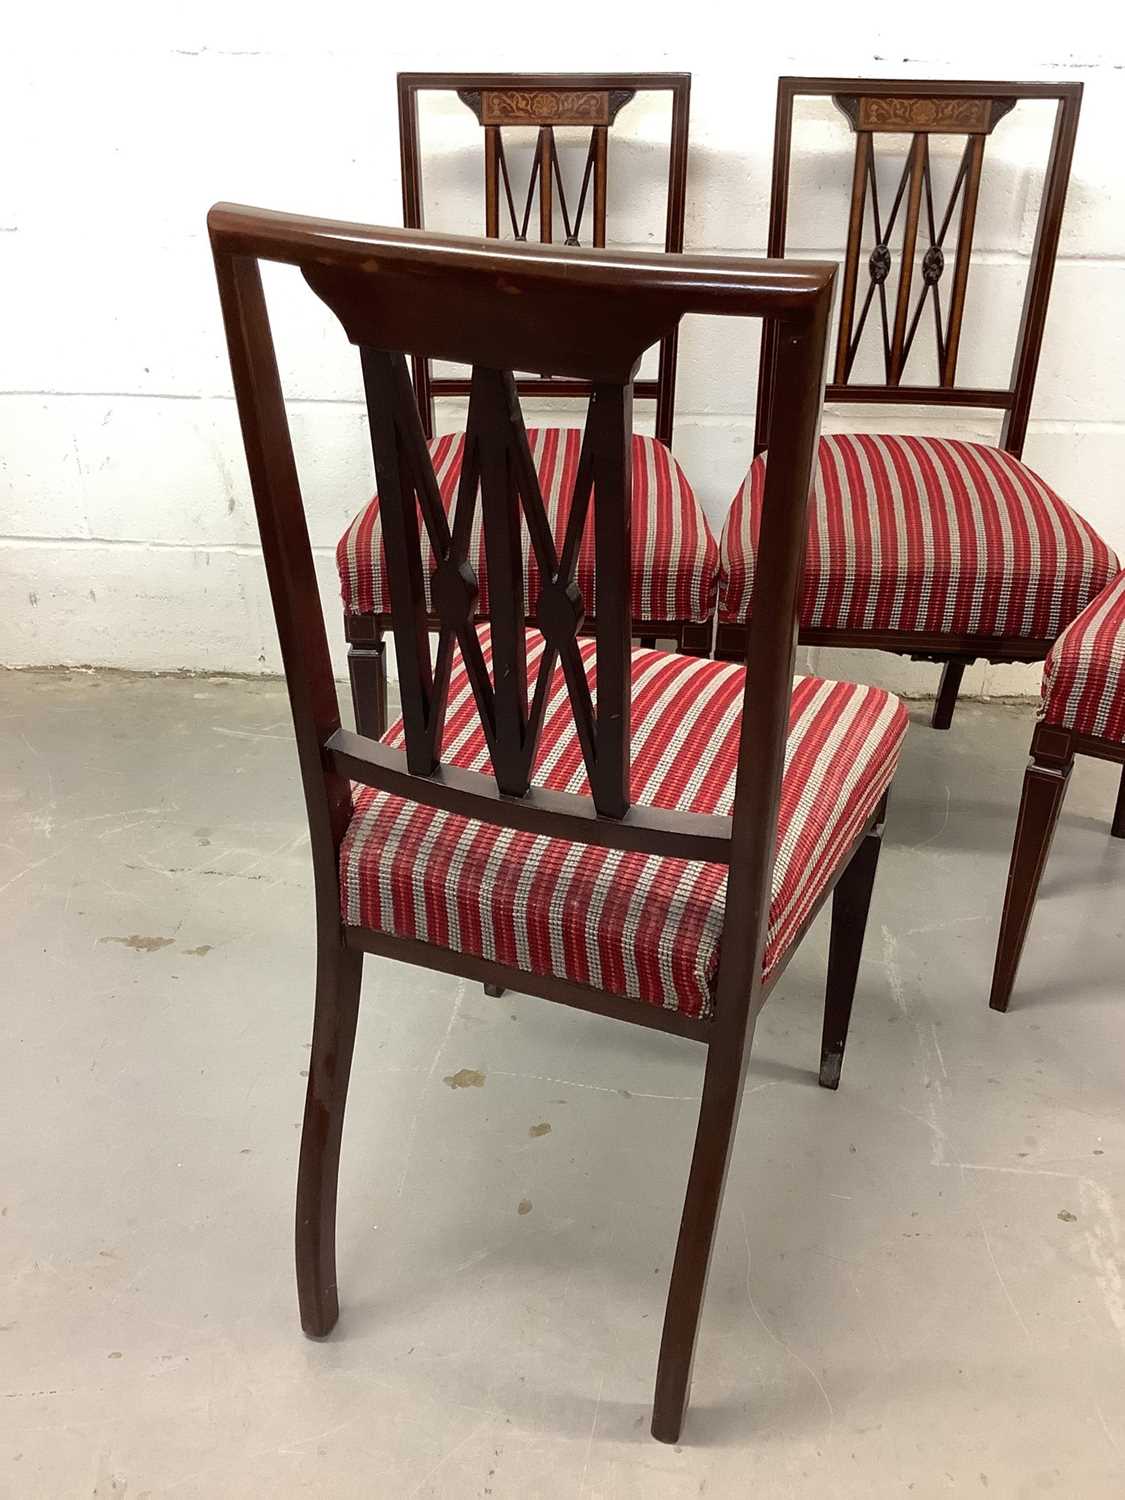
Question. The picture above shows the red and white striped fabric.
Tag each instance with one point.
(637, 925)
(929, 535)
(675, 556)
(1084, 679)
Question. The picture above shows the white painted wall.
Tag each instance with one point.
(127, 535)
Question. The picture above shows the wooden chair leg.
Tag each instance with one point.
(851, 901)
(1043, 791)
(338, 973)
(495, 990)
(695, 640)
(648, 642)
(946, 700)
(1117, 828)
(718, 1118)
(367, 669)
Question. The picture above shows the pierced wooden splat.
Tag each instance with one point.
(878, 109)
(920, 117)
(546, 108)
(546, 101)
(499, 475)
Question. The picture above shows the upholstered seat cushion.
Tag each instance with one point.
(675, 556)
(636, 925)
(1084, 679)
(926, 535)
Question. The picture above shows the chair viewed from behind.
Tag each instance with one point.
(931, 547)
(558, 196)
(642, 834)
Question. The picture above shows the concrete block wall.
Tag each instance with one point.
(127, 535)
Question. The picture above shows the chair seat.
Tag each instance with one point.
(641, 926)
(675, 556)
(1084, 678)
(926, 535)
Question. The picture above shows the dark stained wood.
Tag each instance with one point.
(610, 425)
(673, 244)
(1033, 319)
(648, 830)
(800, 353)
(971, 192)
(392, 291)
(367, 672)
(398, 485)
(909, 240)
(338, 974)
(719, 1109)
(851, 901)
(922, 646)
(851, 259)
(1044, 787)
(547, 101)
(911, 395)
(946, 700)
(1052, 757)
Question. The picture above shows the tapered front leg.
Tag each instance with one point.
(851, 901)
(338, 974)
(1043, 790)
(714, 1136)
(1118, 826)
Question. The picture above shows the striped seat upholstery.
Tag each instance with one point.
(926, 535)
(675, 556)
(1084, 679)
(641, 926)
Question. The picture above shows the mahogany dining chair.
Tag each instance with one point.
(931, 547)
(642, 834)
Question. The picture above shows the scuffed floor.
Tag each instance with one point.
(918, 1287)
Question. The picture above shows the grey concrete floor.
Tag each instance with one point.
(918, 1286)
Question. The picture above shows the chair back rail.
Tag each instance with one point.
(590, 315)
(546, 102)
(876, 110)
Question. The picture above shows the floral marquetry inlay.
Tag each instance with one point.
(972, 116)
(544, 107)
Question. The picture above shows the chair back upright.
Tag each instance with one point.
(586, 103)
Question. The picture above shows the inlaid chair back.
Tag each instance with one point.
(909, 250)
(549, 204)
